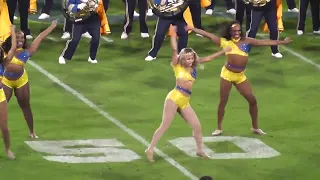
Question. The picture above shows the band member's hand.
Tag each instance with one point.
(287, 40)
(227, 49)
(188, 28)
(81, 6)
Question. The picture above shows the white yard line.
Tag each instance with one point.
(112, 119)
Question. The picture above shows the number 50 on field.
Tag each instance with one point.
(112, 150)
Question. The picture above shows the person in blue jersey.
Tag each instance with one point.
(233, 72)
(90, 25)
(15, 77)
(4, 59)
(184, 64)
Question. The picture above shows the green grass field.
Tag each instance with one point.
(121, 103)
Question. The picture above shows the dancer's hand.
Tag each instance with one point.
(13, 28)
(174, 28)
(188, 28)
(54, 23)
(227, 49)
(287, 40)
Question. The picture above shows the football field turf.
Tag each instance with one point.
(94, 121)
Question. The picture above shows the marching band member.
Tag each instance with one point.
(23, 11)
(91, 24)
(269, 13)
(104, 28)
(233, 72)
(184, 64)
(67, 30)
(210, 8)
(4, 59)
(46, 9)
(241, 7)
(315, 16)
(128, 19)
(279, 18)
(15, 78)
(195, 9)
(230, 6)
(292, 7)
(162, 27)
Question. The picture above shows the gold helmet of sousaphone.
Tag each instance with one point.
(169, 8)
(80, 15)
(257, 3)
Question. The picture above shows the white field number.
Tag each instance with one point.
(110, 150)
(100, 151)
(253, 148)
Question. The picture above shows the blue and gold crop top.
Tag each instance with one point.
(183, 73)
(1, 71)
(243, 50)
(21, 58)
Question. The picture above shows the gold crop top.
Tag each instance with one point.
(243, 50)
(21, 58)
(183, 73)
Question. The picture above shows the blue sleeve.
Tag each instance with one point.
(75, 3)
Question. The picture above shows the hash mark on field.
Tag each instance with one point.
(52, 38)
(112, 119)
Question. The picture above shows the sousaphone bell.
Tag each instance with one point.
(256, 3)
(168, 9)
(80, 15)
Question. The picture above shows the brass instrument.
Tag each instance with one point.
(257, 3)
(169, 9)
(81, 15)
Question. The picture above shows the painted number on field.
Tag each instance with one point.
(84, 151)
(253, 148)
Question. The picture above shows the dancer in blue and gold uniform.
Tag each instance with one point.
(232, 72)
(3, 101)
(15, 77)
(184, 66)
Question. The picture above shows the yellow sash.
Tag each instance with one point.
(188, 18)
(105, 28)
(33, 7)
(205, 3)
(5, 24)
(279, 18)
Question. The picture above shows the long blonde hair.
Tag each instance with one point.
(187, 51)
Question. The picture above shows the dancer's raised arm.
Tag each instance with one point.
(214, 55)
(174, 47)
(214, 38)
(35, 44)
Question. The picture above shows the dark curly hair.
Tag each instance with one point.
(7, 44)
(1, 55)
(226, 32)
